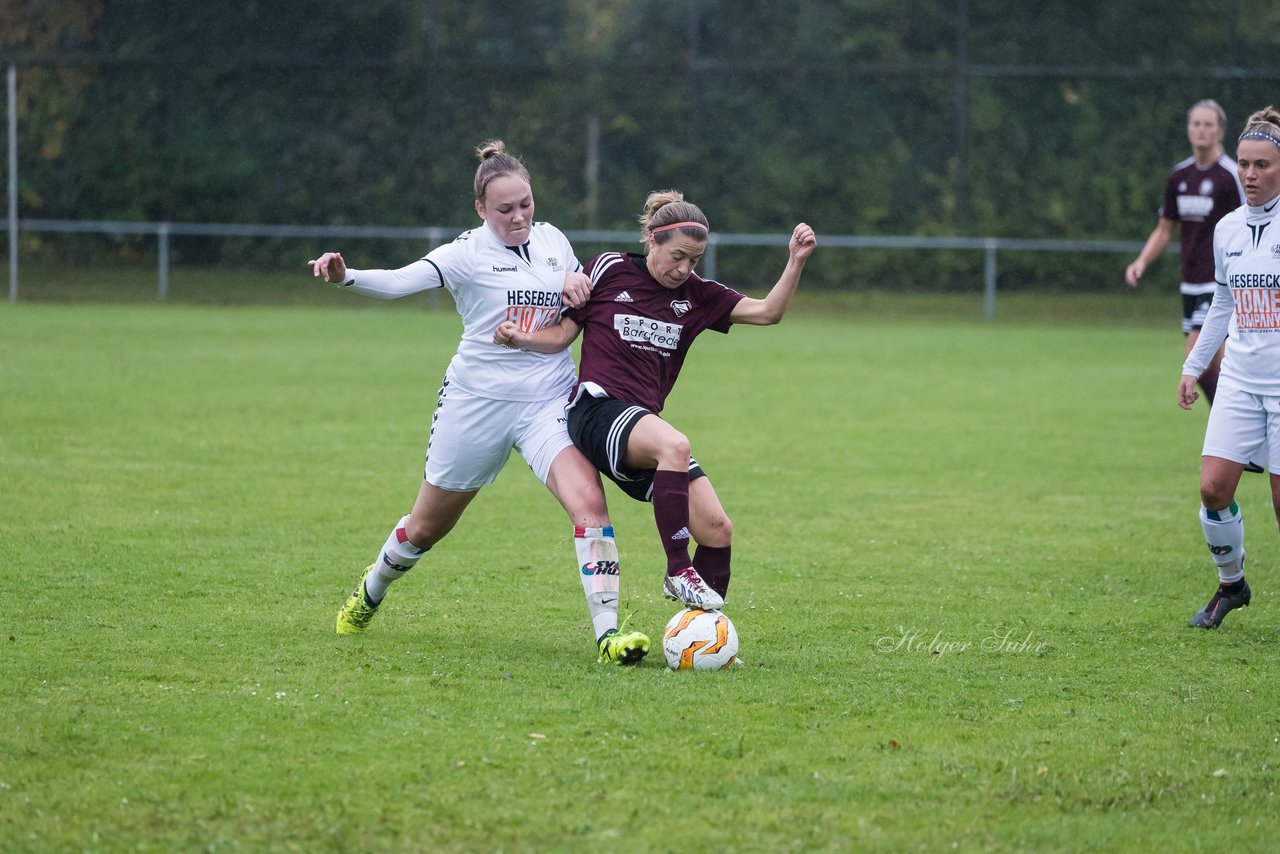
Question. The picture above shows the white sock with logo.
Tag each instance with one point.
(1224, 532)
(397, 557)
(598, 568)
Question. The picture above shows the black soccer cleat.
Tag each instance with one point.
(1225, 600)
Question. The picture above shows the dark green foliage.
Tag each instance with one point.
(867, 117)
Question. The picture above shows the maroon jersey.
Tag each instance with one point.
(635, 332)
(1199, 197)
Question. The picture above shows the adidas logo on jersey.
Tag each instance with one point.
(623, 297)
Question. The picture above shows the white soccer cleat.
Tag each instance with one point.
(688, 587)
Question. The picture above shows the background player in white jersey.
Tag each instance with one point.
(1245, 418)
(494, 399)
(638, 325)
(1199, 192)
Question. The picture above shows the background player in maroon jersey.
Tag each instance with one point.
(638, 325)
(1200, 191)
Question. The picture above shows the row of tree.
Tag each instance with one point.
(937, 117)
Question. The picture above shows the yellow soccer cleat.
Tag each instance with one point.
(619, 648)
(358, 611)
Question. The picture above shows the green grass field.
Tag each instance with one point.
(965, 556)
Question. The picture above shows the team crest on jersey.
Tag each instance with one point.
(1275, 251)
(1206, 187)
(681, 307)
(554, 264)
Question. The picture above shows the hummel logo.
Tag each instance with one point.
(623, 297)
(682, 534)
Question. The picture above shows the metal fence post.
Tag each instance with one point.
(162, 253)
(989, 281)
(13, 182)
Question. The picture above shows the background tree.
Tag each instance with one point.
(936, 117)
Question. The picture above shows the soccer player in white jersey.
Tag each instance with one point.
(1199, 192)
(494, 399)
(1245, 417)
(638, 325)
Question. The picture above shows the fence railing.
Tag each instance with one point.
(163, 231)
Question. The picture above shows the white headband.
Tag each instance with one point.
(1261, 133)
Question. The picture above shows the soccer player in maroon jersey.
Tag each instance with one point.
(1201, 190)
(638, 325)
(493, 401)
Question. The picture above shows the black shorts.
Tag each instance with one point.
(600, 427)
(1194, 308)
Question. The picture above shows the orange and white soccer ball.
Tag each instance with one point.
(700, 640)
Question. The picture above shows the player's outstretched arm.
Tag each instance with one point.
(421, 275)
(768, 311)
(551, 339)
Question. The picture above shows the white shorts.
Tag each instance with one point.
(472, 437)
(1243, 427)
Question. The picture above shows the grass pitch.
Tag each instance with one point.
(965, 556)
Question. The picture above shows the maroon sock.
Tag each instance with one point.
(713, 565)
(671, 512)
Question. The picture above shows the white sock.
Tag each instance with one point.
(397, 557)
(1224, 533)
(598, 569)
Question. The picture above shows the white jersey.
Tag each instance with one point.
(1246, 303)
(491, 282)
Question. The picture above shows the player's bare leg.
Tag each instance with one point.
(655, 444)
(575, 483)
(1223, 526)
(434, 514)
(713, 532)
